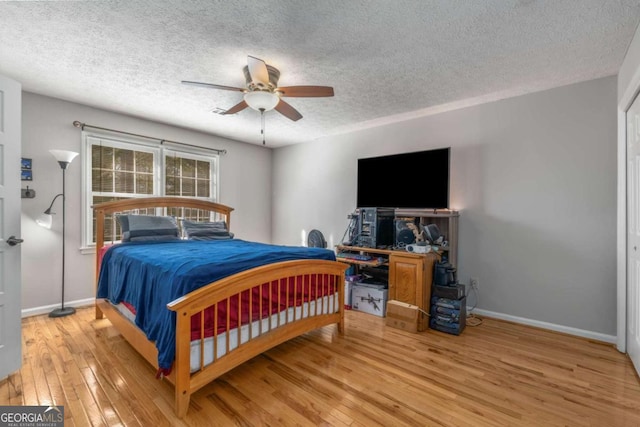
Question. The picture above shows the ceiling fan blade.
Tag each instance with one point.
(258, 70)
(236, 108)
(288, 111)
(212, 86)
(306, 91)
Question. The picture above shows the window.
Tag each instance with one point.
(187, 175)
(117, 168)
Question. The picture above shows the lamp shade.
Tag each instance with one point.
(261, 100)
(45, 220)
(63, 155)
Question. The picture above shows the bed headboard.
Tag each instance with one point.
(181, 207)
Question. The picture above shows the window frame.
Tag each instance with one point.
(160, 152)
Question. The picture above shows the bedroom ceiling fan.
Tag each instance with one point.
(262, 92)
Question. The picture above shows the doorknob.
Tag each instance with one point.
(12, 241)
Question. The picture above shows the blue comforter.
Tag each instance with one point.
(149, 275)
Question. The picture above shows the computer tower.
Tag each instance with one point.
(375, 227)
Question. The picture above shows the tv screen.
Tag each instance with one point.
(408, 180)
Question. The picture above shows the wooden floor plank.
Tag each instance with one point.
(30, 397)
(389, 373)
(4, 388)
(498, 373)
(260, 394)
(393, 393)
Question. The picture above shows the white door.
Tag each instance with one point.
(10, 277)
(633, 233)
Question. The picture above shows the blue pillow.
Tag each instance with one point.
(141, 228)
(206, 230)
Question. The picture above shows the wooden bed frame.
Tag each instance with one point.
(186, 383)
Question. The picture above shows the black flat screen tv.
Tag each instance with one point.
(408, 180)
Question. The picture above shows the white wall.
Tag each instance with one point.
(535, 180)
(245, 184)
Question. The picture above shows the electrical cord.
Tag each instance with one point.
(351, 228)
(472, 319)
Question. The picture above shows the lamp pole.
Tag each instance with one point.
(64, 221)
(64, 158)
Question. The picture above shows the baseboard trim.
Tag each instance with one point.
(611, 339)
(36, 311)
(597, 336)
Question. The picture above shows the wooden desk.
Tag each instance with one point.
(410, 274)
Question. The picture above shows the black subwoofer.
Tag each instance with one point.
(403, 234)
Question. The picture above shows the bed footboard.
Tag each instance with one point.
(252, 312)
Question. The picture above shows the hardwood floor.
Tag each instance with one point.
(495, 374)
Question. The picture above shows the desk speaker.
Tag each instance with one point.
(403, 234)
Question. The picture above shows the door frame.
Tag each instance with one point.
(624, 103)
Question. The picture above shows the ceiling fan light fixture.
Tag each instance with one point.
(261, 100)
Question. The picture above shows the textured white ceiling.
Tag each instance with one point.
(387, 60)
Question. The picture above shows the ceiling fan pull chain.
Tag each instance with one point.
(262, 125)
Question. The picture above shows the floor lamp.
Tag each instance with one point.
(45, 220)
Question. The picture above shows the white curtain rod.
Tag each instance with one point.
(162, 141)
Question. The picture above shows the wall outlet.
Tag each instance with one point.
(474, 282)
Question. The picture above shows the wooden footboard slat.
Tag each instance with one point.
(280, 303)
(227, 337)
(215, 332)
(320, 280)
(289, 282)
(251, 314)
(202, 317)
(261, 309)
(270, 304)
